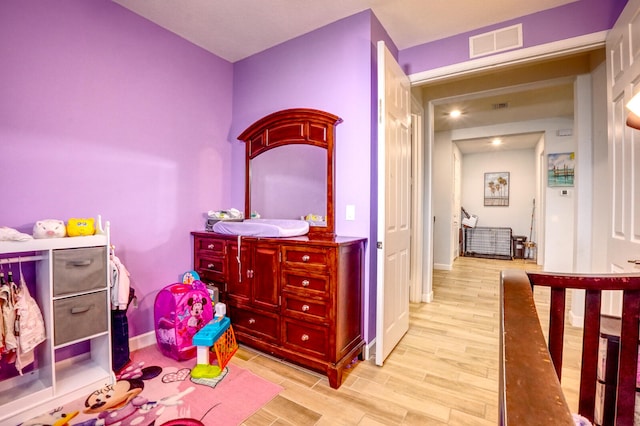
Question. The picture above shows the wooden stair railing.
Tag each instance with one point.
(530, 391)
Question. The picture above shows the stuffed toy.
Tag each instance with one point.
(10, 234)
(49, 228)
(78, 227)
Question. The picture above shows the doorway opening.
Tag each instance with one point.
(530, 107)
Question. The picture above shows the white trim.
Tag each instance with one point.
(369, 350)
(575, 320)
(417, 195)
(548, 50)
(142, 340)
(443, 266)
(427, 297)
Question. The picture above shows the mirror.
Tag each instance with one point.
(289, 167)
(290, 182)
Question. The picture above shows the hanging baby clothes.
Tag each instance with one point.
(121, 296)
(119, 283)
(30, 326)
(8, 316)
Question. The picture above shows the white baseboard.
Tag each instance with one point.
(142, 340)
(443, 266)
(369, 350)
(427, 297)
(576, 321)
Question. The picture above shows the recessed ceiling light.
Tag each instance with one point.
(455, 113)
(496, 141)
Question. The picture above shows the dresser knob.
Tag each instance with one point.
(305, 308)
(304, 337)
(305, 258)
(210, 246)
(251, 321)
(305, 283)
(211, 266)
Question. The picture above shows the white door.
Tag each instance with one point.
(623, 81)
(394, 203)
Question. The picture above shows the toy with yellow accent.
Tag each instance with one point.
(77, 227)
(217, 338)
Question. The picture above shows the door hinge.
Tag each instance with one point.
(379, 245)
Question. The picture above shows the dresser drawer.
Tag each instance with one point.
(307, 309)
(212, 246)
(78, 317)
(306, 337)
(211, 268)
(78, 270)
(258, 324)
(305, 282)
(305, 257)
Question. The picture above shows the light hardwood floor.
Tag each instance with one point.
(443, 372)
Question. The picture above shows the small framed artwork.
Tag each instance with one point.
(496, 189)
(561, 169)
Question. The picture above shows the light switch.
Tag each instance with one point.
(351, 212)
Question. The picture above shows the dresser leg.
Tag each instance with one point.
(335, 377)
(334, 371)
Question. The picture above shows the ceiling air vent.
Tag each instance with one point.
(501, 105)
(495, 41)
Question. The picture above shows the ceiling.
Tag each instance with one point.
(237, 29)
(524, 104)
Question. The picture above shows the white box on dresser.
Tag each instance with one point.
(54, 381)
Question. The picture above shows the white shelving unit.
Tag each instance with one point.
(56, 381)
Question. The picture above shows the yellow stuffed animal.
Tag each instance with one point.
(80, 227)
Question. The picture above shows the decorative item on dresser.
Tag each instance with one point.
(298, 298)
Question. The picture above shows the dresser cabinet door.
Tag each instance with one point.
(238, 274)
(265, 273)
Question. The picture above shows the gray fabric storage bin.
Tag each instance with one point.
(79, 269)
(79, 316)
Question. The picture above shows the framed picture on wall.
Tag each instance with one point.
(496, 189)
(561, 169)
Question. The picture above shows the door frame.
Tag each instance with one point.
(421, 268)
(468, 68)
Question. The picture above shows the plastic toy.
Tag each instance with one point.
(216, 338)
(180, 311)
(189, 277)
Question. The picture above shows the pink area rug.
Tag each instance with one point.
(156, 390)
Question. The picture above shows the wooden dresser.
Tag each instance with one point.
(297, 298)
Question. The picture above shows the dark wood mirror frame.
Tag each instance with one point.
(294, 126)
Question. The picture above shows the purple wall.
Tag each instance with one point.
(328, 69)
(571, 20)
(103, 112)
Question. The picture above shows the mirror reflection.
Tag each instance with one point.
(290, 182)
